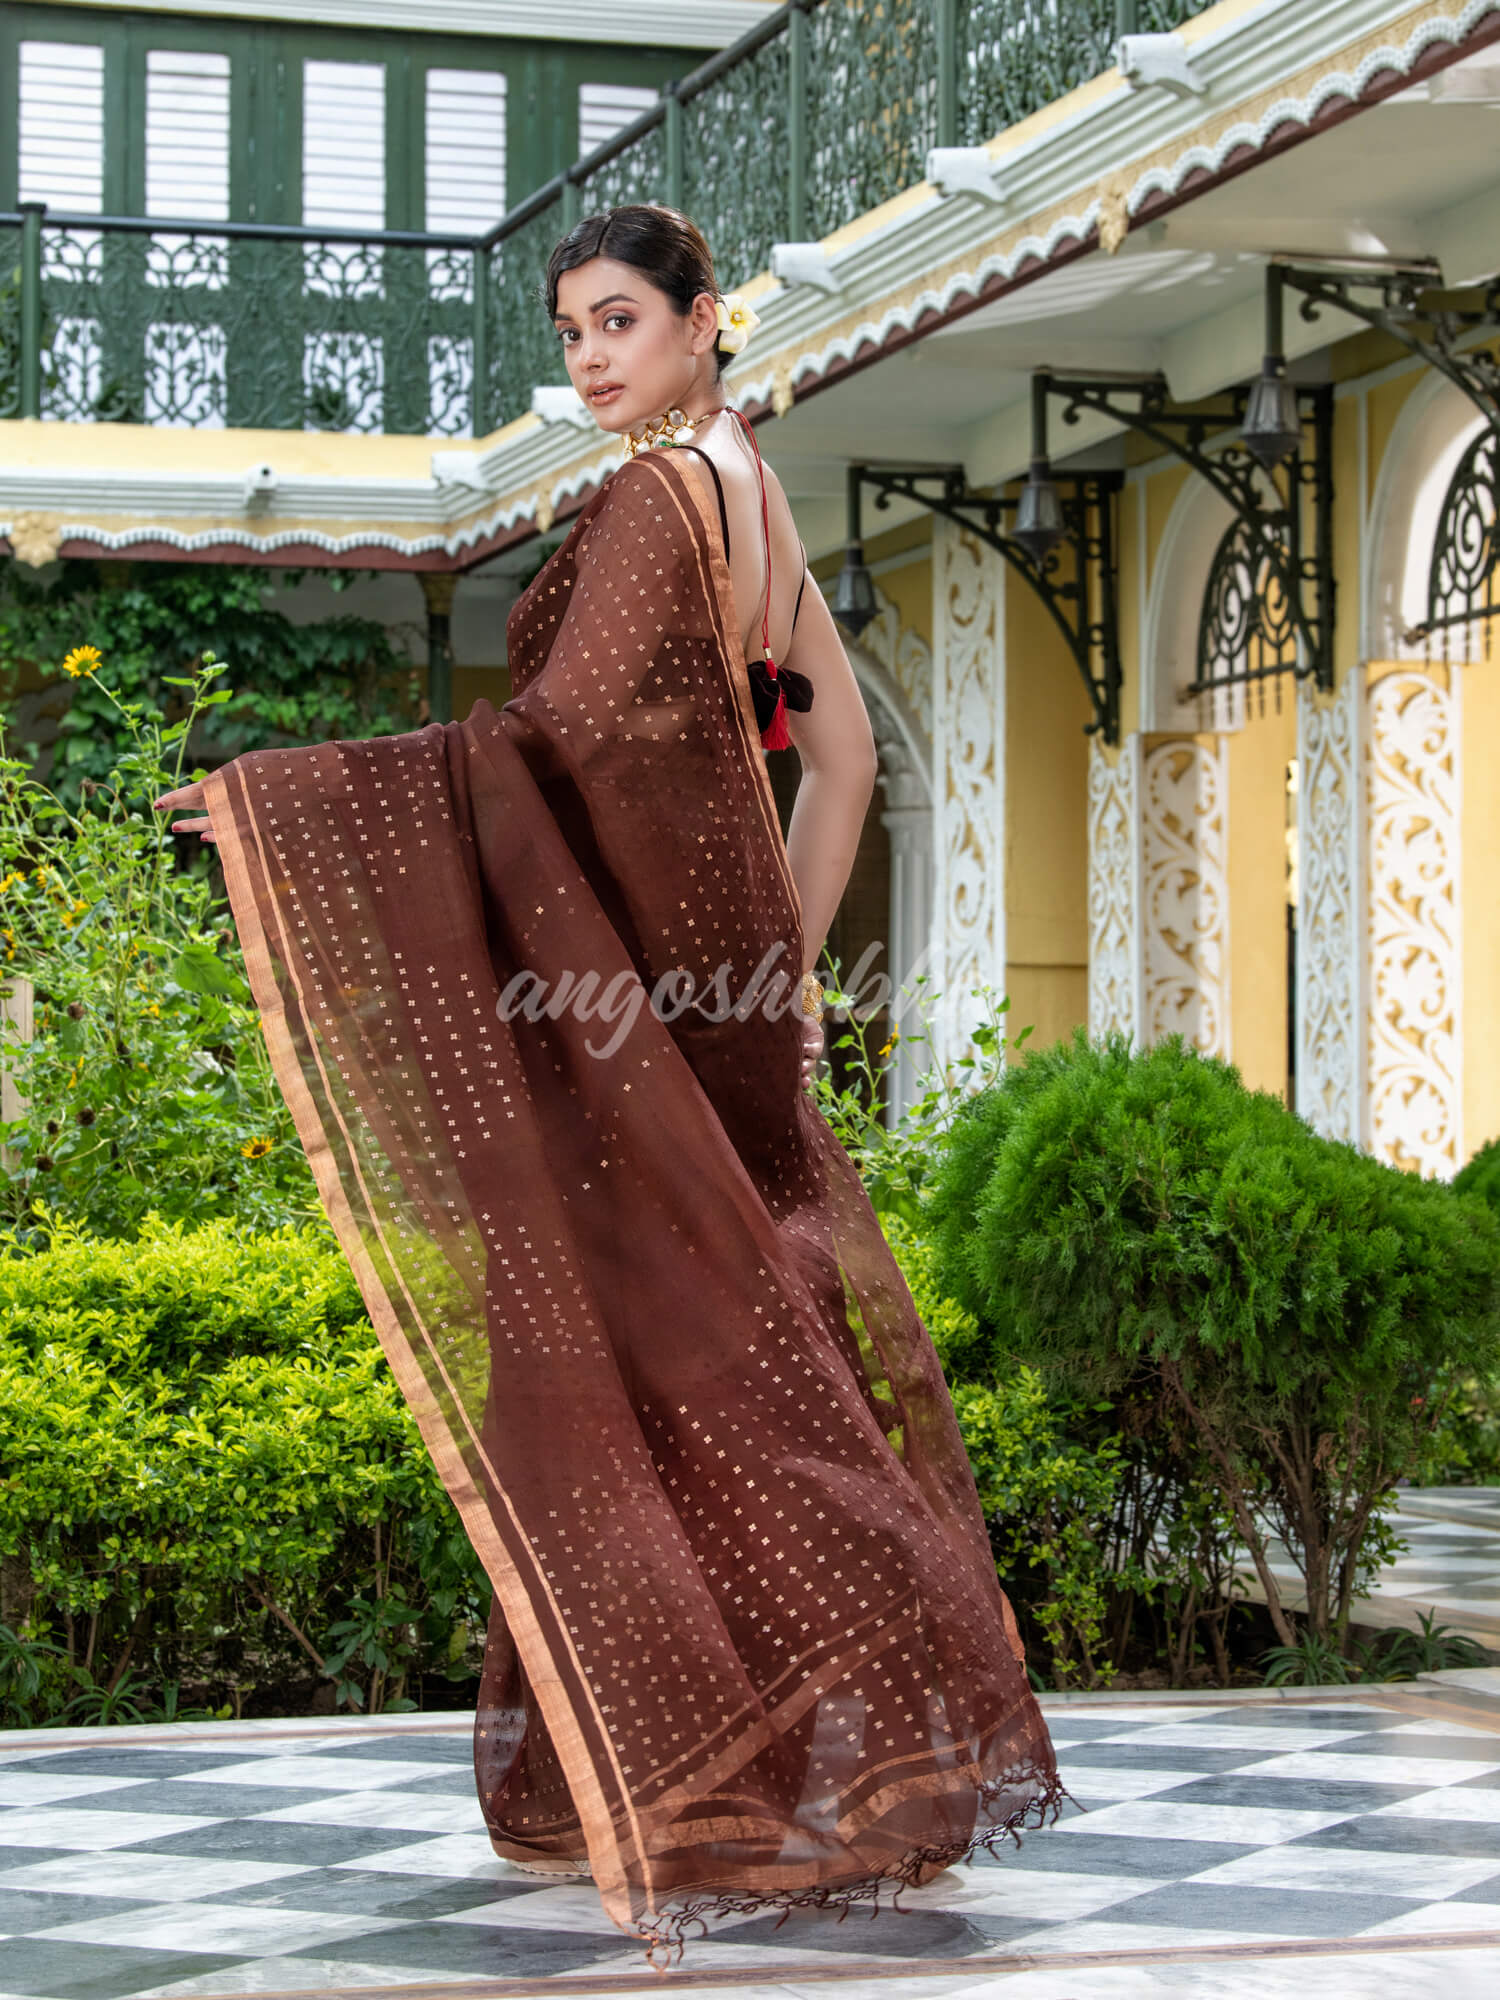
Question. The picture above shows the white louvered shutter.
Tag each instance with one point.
(343, 145)
(465, 150)
(62, 126)
(187, 134)
(606, 108)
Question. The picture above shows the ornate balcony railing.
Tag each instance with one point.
(824, 110)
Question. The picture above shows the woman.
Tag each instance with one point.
(747, 1647)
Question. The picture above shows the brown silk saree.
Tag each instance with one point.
(747, 1643)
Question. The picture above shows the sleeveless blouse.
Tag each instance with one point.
(797, 688)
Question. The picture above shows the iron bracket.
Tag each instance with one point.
(1080, 596)
(1271, 508)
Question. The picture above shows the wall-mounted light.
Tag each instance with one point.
(1039, 517)
(1273, 424)
(854, 592)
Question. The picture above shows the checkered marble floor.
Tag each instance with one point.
(1450, 1566)
(322, 1858)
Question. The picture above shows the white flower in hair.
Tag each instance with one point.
(736, 322)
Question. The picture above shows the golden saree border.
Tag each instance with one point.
(599, 1828)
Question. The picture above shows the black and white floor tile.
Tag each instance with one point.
(236, 1859)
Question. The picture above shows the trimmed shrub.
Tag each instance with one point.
(1140, 1227)
(1109, 1554)
(210, 1479)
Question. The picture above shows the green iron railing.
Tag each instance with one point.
(821, 112)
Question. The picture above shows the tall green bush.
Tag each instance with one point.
(211, 1480)
(146, 1082)
(1139, 1226)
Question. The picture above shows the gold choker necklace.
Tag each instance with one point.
(673, 427)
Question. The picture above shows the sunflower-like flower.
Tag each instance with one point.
(256, 1149)
(737, 322)
(83, 660)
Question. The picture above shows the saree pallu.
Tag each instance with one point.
(748, 1644)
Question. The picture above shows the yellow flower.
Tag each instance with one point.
(83, 660)
(737, 322)
(886, 1047)
(256, 1149)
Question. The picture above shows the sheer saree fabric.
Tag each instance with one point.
(748, 1643)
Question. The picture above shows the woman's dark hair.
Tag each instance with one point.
(657, 241)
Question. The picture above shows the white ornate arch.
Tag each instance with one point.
(1436, 426)
(1199, 520)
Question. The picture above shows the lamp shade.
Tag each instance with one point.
(1273, 424)
(854, 593)
(1039, 516)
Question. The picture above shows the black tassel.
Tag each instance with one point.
(797, 688)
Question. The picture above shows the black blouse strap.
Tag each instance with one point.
(718, 488)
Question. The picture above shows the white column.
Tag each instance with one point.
(910, 831)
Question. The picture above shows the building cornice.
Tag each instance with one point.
(693, 24)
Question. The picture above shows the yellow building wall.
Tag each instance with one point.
(1046, 823)
(1259, 998)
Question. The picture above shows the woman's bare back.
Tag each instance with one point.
(723, 440)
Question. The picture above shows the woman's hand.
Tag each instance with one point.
(184, 797)
(812, 1047)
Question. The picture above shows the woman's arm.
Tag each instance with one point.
(839, 760)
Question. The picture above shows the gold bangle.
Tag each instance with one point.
(812, 996)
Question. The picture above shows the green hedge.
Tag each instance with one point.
(211, 1483)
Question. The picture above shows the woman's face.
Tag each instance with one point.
(630, 353)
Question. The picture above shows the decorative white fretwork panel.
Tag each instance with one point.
(905, 656)
(1414, 1025)
(1115, 889)
(968, 718)
(1330, 934)
(1185, 892)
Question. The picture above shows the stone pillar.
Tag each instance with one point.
(437, 589)
(1327, 1001)
(1114, 892)
(1185, 891)
(968, 736)
(1414, 1110)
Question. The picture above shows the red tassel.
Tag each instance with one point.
(775, 735)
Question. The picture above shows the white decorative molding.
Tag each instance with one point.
(1415, 1014)
(693, 24)
(1330, 930)
(1115, 889)
(969, 782)
(1185, 892)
